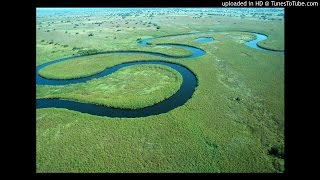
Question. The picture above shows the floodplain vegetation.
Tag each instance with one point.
(234, 121)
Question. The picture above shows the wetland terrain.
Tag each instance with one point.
(160, 90)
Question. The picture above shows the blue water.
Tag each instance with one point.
(254, 43)
(178, 99)
(204, 39)
(196, 52)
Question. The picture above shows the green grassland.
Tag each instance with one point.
(93, 65)
(234, 122)
(132, 87)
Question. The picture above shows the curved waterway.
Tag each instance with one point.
(254, 43)
(178, 99)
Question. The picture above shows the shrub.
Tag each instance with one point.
(277, 151)
(75, 48)
(90, 34)
(88, 51)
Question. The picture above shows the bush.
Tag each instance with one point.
(88, 51)
(75, 48)
(90, 34)
(277, 151)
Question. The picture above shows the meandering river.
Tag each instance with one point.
(178, 99)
